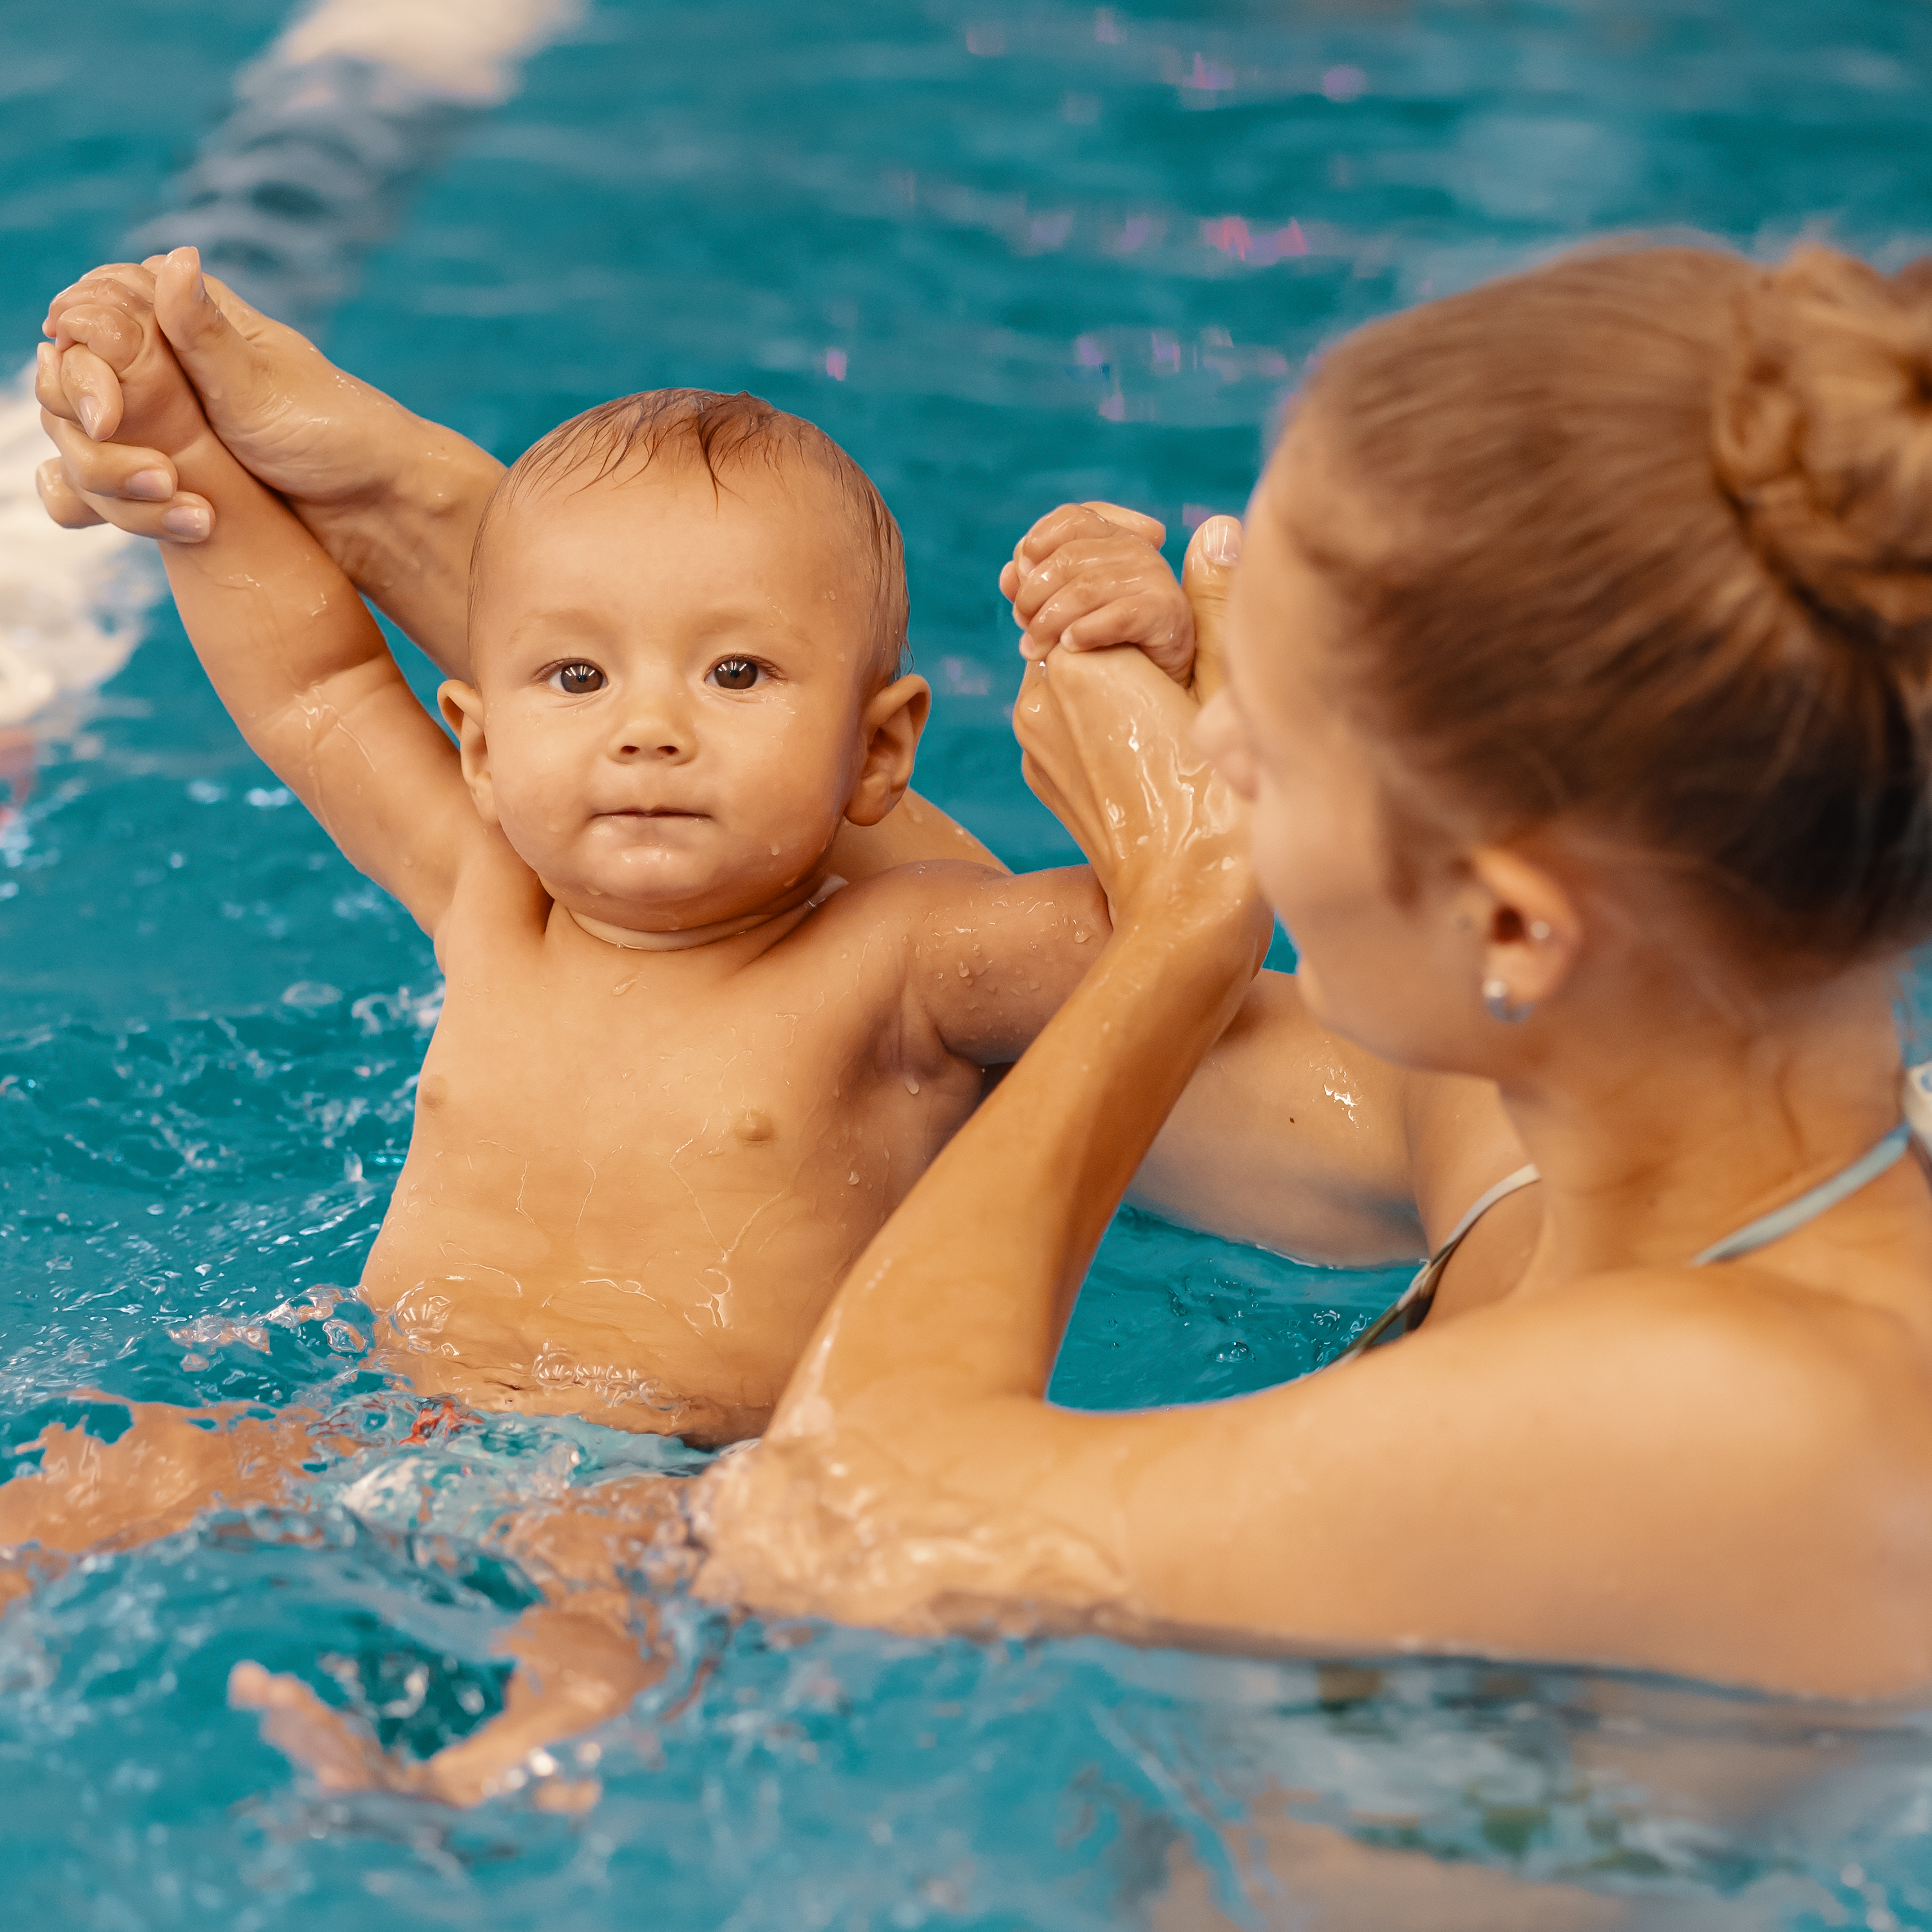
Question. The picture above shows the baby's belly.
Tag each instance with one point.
(687, 1335)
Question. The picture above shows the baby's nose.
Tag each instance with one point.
(652, 729)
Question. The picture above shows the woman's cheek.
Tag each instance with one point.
(1285, 839)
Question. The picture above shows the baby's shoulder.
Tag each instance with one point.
(906, 897)
(498, 901)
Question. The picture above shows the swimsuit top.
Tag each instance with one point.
(1407, 1311)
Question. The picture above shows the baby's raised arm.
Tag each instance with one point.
(292, 651)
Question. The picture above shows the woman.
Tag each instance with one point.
(1290, 1137)
(1579, 666)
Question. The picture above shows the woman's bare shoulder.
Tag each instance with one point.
(1623, 1470)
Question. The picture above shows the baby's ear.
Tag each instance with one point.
(888, 733)
(462, 708)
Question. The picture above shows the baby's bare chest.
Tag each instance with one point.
(558, 1091)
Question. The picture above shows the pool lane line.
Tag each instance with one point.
(330, 129)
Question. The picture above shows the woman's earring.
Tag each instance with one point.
(1496, 998)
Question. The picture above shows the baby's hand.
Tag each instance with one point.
(109, 319)
(1089, 575)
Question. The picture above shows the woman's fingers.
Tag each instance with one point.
(1123, 563)
(1090, 596)
(47, 390)
(1108, 745)
(1207, 577)
(135, 490)
(1046, 622)
(1071, 617)
(61, 500)
(109, 469)
(213, 351)
(184, 519)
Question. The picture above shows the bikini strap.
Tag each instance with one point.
(1414, 1301)
(1819, 1200)
(1480, 1206)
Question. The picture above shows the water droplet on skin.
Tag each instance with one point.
(852, 1180)
(965, 971)
(1080, 939)
(911, 1084)
(775, 851)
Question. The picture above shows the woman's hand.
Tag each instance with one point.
(1109, 747)
(394, 499)
(306, 428)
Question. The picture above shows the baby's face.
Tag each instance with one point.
(675, 690)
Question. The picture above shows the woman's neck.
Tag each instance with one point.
(1658, 1132)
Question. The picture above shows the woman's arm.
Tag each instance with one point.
(989, 1249)
(1618, 1471)
(1295, 1139)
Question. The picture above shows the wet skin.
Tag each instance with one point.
(652, 1247)
(640, 1165)
(711, 1090)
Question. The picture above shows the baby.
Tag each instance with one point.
(682, 1073)
(681, 1078)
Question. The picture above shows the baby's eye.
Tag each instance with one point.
(575, 679)
(736, 673)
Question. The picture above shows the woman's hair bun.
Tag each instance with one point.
(1823, 438)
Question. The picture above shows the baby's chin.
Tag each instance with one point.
(675, 893)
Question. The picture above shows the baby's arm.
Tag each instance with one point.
(998, 956)
(995, 954)
(290, 647)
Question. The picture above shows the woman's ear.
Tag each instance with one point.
(462, 708)
(1529, 930)
(889, 731)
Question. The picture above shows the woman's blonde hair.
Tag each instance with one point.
(1656, 557)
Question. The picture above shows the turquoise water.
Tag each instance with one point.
(1006, 256)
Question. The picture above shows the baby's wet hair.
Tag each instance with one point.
(721, 431)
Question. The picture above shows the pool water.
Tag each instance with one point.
(1007, 255)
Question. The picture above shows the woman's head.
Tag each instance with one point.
(1630, 556)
